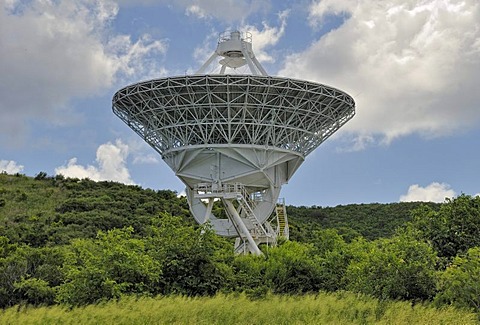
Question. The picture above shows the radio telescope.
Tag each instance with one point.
(234, 138)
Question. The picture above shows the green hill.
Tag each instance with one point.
(53, 210)
(372, 221)
(45, 210)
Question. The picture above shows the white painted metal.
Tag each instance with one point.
(235, 49)
(244, 231)
(237, 138)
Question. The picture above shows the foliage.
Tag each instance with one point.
(392, 268)
(173, 258)
(35, 291)
(248, 274)
(370, 221)
(45, 211)
(332, 257)
(28, 274)
(193, 259)
(459, 285)
(453, 229)
(104, 268)
(290, 268)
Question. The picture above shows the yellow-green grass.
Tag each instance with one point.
(337, 308)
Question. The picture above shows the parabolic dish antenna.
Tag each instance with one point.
(234, 138)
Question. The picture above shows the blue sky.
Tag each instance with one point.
(412, 67)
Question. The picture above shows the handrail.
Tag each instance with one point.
(227, 35)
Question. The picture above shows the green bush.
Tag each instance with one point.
(35, 291)
(459, 284)
(290, 269)
(103, 268)
(453, 229)
(394, 268)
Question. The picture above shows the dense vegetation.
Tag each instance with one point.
(371, 221)
(76, 242)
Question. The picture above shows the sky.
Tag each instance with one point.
(412, 67)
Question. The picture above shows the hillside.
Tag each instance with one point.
(372, 221)
(45, 210)
(53, 210)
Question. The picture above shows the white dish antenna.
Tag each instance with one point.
(235, 138)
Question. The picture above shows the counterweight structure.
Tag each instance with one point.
(235, 138)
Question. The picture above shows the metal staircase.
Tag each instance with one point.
(282, 221)
(246, 211)
(240, 211)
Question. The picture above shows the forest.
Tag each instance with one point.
(70, 242)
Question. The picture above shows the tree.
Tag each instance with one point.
(35, 291)
(13, 266)
(453, 229)
(332, 257)
(290, 268)
(28, 274)
(393, 268)
(41, 176)
(106, 267)
(249, 276)
(193, 259)
(459, 284)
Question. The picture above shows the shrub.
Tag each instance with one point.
(394, 268)
(459, 284)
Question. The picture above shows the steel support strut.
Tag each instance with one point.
(241, 226)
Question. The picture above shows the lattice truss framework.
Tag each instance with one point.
(290, 114)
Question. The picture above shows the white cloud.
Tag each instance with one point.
(195, 10)
(148, 159)
(320, 9)
(140, 152)
(412, 66)
(110, 165)
(10, 167)
(435, 192)
(267, 36)
(54, 51)
(358, 143)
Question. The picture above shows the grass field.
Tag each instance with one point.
(338, 308)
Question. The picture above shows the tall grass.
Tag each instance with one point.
(335, 308)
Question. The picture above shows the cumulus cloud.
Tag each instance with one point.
(147, 159)
(267, 36)
(10, 167)
(435, 192)
(141, 153)
(54, 51)
(412, 66)
(110, 165)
